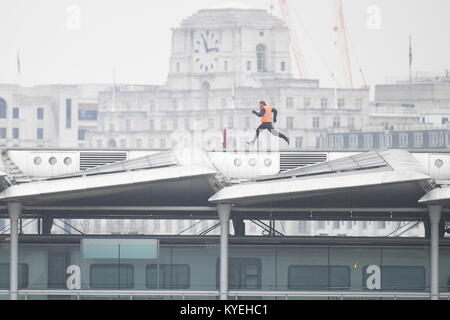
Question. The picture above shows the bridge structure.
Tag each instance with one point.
(233, 188)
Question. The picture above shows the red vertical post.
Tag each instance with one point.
(224, 142)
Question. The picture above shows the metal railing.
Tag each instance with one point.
(232, 295)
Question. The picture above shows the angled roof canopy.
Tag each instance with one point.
(166, 177)
(372, 169)
(437, 196)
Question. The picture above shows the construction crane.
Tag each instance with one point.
(295, 42)
(293, 20)
(341, 42)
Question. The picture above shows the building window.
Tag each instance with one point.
(351, 123)
(112, 127)
(261, 33)
(388, 140)
(162, 143)
(403, 140)
(368, 141)
(99, 143)
(353, 142)
(316, 122)
(434, 139)
(223, 102)
(441, 139)
(163, 124)
(2, 133)
(152, 106)
(382, 139)
(249, 65)
(187, 124)
(307, 102)
(341, 103)
(138, 143)
(336, 122)
(445, 120)
(174, 104)
(323, 103)
(68, 113)
(289, 122)
(260, 58)
(150, 143)
(318, 277)
(112, 143)
(40, 113)
(339, 142)
(15, 113)
(299, 142)
(123, 143)
(171, 276)
(283, 66)
(15, 133)
(210, 123)
(244, 273)
(175, 124)
(418, 140)
(330, 142)
(127, 125)
(358, 103)
(5, 276)
(87, 115)
(111, 276)
(151, 124)
(230, 122)
(40, 133)
(2, 108)
(289, 102)
(178, 67)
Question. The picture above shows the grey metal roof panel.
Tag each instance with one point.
(274, 190)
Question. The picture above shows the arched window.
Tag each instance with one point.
(2, 108)
(112, 144)
(205, 95)
(261, 58)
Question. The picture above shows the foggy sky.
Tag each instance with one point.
(135, 37)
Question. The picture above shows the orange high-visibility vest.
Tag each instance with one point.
(267, 117)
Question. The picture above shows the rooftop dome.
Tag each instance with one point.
(232, 14)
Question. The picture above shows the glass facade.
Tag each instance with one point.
(87, 115)
(196, 268)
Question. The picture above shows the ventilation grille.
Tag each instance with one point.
(294, 160)
(90, 159)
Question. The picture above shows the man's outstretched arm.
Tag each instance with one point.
(260, 113)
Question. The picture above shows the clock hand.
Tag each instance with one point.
(213, 49)
(204, 43)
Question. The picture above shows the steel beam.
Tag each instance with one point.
(14, 210)
(434, 212)
(224, 216)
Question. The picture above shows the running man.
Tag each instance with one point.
(265, 112)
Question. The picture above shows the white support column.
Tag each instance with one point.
(14, 211)
(434, 211)
(224, 216)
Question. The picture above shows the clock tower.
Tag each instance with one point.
(226, 47)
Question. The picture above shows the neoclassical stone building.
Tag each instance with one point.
(223, 61)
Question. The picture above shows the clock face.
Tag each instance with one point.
(206, 51)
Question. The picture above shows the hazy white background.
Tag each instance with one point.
(135, 36)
